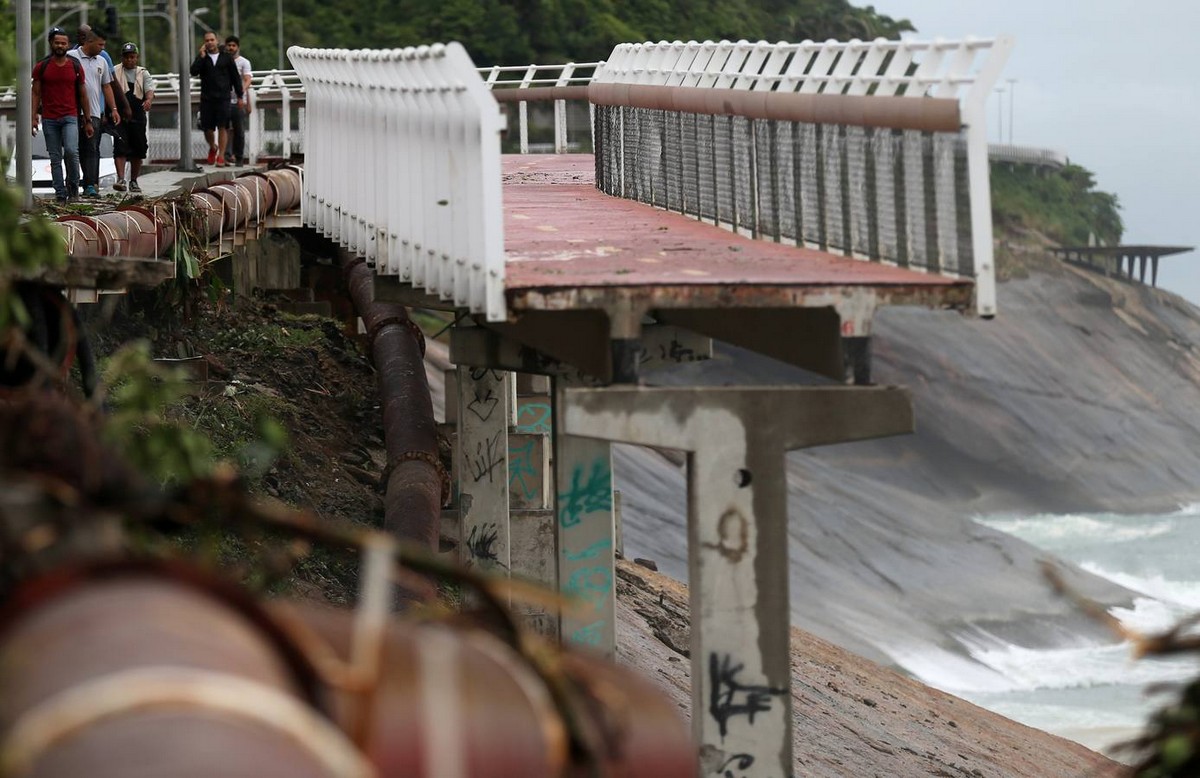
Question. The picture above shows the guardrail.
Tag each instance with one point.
(874, 149)
(405, 167)
(1028, 155)
(542, 82)
(276, 123)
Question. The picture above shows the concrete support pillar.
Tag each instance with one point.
(586, 536)
(737, 439)
(483, 468)
(1154, 270)
(531, 498)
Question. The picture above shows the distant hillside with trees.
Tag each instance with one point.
(1064, 205)
(510, 32)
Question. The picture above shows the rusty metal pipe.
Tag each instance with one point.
(119, 670)
(540, 94)
(449, 701)
(414, 497)
(287, 188)
(929, 114)
(262, 191)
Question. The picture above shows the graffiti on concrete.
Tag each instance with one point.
(586, 495)
(728, 697)
(481, 543)
(523, 476)
(488, 456)
(534, 418)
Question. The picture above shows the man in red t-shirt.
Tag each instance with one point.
(59, 96)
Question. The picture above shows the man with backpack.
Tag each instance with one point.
(59, 95)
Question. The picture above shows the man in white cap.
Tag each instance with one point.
(138, 86)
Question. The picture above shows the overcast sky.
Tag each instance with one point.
(1113, 83)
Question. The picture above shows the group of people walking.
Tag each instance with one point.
(79, 94)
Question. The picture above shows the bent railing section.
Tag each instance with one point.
(522, 84)
(403, 167)
(875, 150)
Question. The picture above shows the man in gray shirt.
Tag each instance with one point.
(98, 84)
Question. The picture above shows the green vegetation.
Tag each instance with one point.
(510, 32)
(1063, 205)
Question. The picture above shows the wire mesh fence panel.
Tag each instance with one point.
(859, 179)
(832, 152)
(689, 165)
(807, 170)
(898, 196)
(742, 171)
(786, 204)
(913, 164)
(944, 187)
(724, 179)
(766, 150)
(885, 157)
(962, 209)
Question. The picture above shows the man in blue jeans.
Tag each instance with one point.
(101, 102)
(59, 95)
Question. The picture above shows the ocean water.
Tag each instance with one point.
(1093, 693)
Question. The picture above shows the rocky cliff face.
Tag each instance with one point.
(1083, 395)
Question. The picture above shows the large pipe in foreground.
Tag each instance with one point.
(415, 478)
(454, 702)
(116, 671)
(146, 669)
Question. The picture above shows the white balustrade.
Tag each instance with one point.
(403, 167)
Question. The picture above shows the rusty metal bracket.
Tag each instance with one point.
(402, 321)
(419, 456)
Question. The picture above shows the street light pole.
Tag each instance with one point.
(183, 29)
(24, 85)
(1012, 90)
(279, 15)
(1000, 113)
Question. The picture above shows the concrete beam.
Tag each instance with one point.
(501, 348)
(809, 338)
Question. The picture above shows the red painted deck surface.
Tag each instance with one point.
(563, 233)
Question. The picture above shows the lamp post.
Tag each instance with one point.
(1000, 113)
(24, 144)
(279, 15)
(1012, 90)
(183, 32)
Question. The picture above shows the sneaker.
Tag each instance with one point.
(119, 186)
(220, 163)
(61, 199)
(134, 187)
(212, 154)
(72, 191)
(90, 191)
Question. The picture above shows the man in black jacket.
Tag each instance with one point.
(218, 74)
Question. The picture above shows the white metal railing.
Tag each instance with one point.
(403, 167)
(532, 76)
(279, 90)
(961, 70)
